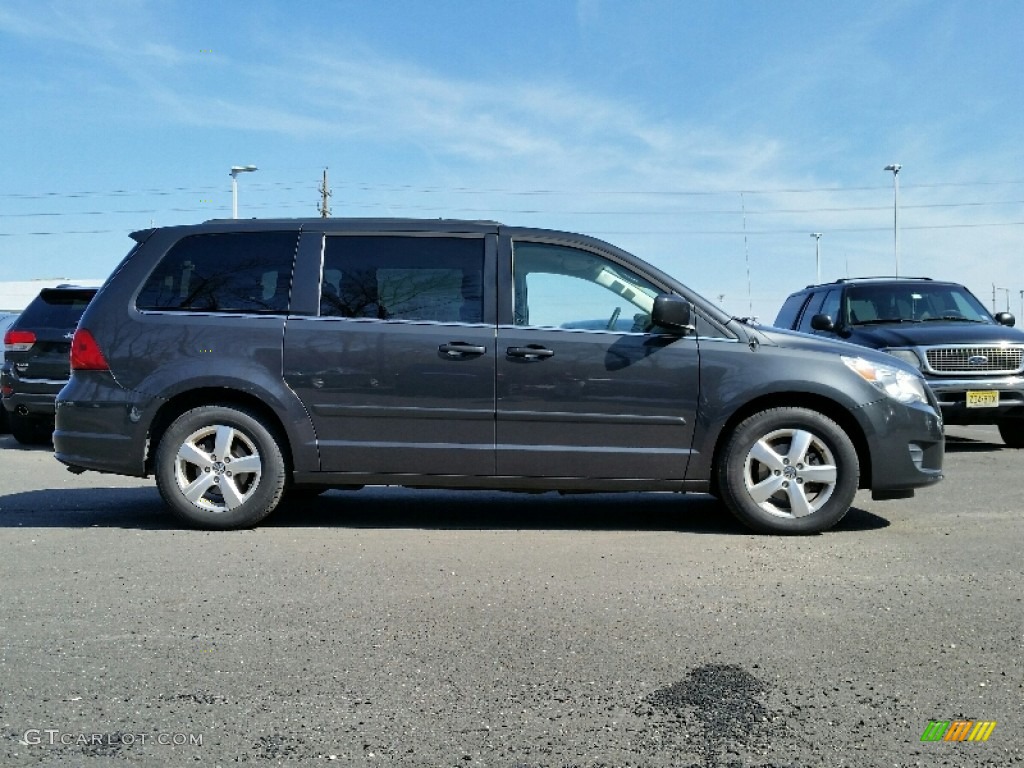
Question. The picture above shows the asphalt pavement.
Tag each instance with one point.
(420, 628)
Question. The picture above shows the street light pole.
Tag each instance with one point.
(817, 256)
(895, 168)
(235, 170)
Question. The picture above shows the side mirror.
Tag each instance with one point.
(1006, 318)
(672, 313)
(822, 323)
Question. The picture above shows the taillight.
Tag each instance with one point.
(19, 341)
(86, 354)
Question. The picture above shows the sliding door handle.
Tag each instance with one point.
(457, 349)
(531, 352)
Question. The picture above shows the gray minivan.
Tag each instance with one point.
(242, 361)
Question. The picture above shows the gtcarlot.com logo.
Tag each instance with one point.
(53, 737)
(958, 730)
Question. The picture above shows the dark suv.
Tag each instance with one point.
(35, 365)
(973, 361)
(6, 321)
(242, 361)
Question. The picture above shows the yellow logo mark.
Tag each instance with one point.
(982, 730)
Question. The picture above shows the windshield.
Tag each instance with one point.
(914, 303)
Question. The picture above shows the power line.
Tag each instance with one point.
(588, 212)
(366, 186)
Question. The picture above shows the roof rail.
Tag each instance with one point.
(880, 277)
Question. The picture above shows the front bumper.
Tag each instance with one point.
(906, 445)
(952, 398)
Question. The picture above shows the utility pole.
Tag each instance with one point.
(325, 192)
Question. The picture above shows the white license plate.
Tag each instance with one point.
(982, 399)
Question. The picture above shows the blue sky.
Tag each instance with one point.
(710, 138)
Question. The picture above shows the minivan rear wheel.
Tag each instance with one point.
(220, 467)
(789, 470)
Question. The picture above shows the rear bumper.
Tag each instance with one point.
(28, 397)
(29, 404)
(99, 427)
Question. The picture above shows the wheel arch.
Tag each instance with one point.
(823, 405)
(216, 396)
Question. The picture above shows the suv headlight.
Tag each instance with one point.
(895, 382)
(906, 355)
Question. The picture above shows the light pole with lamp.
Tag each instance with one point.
(895, 168)
(235, 170)
(817, 256)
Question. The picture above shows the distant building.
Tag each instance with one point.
(15, 296)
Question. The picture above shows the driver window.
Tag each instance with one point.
(830, 306)
(560, 287)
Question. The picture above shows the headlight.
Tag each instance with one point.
(895, 382)
(906, 355)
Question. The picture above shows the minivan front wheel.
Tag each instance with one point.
(220, 467)
(789, 470)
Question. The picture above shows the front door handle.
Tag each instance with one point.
(457, 349)
(531, 352)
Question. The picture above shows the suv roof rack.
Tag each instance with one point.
(880, 277)
(844, 280)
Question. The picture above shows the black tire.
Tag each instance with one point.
(766, 469)
(1012, 432)
(5, 421)
(207, 490)
(31, 430)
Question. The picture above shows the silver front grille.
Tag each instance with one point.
(967, 360)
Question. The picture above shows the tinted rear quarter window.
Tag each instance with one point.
(387, 277)
(232, 272)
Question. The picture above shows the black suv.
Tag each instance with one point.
(973, 361)
(35, 365)
(243, 361)
(6, 321)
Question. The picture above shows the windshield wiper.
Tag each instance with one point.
(951, 318)
(888, 320)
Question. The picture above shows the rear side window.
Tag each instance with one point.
(388, 277)
(56, 308)
(232, 272)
